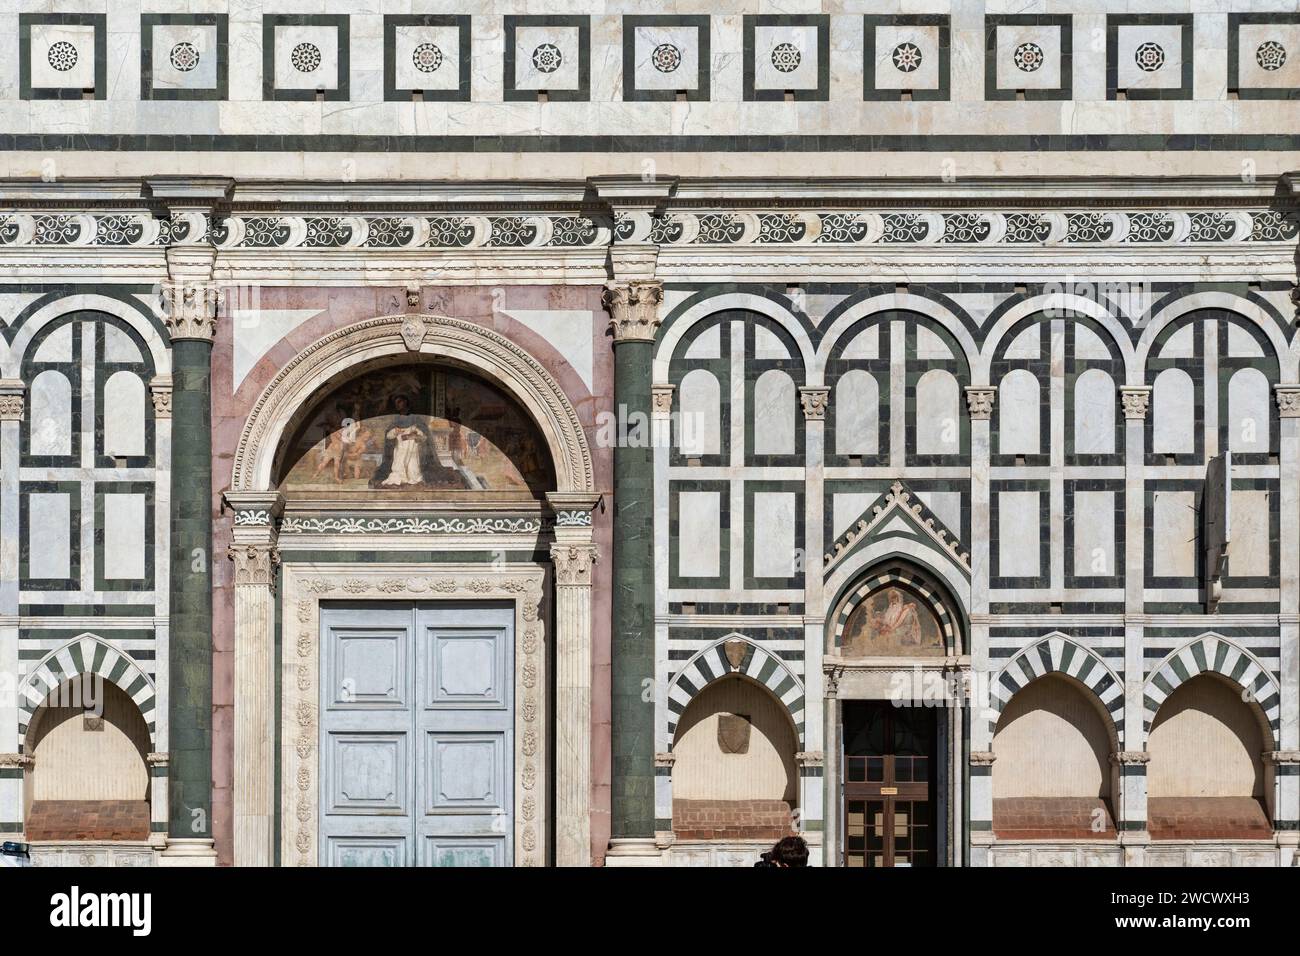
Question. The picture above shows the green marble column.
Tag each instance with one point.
(633, 309)
(191, 312)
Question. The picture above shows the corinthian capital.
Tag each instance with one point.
(12, 392)
(255, 564)
(634, 309)
(1288, 400)
(1136, 399)
(814, 399)
(573, 564)
(190, 310)
(979, 401)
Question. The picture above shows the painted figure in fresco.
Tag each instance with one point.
(892, 621)
(409, 458)
(356, 440)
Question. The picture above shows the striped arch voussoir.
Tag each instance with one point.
(1211, 654)
(1058, 654)
(947, 624)
(760, 665)
(86, 654)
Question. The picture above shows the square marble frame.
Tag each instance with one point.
(1116, 20)
(150, 20)
(704, 55)
(822, 23)
(1235, 22)
(991, 23)
(270, 22)
(582, 24)
(99, 21)
(937, 20)
(391, 24)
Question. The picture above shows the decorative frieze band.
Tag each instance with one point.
(1131, 758)
(665, 759)
(814, 399)
(332, 230)
(957, 228)
(17, 761)
(300, 524)
(634, 309)
(982, 758)
(979, 401)
(1136, 400)
(810, 758)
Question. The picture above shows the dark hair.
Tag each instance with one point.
(791, 851)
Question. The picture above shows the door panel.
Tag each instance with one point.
(889, 810)
(417, 734)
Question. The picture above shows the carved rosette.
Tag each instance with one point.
(190, 310)
(634, 309)
(160, 390)
(979, 401)
(12, 399)
(1288, 400)
(573, 564)
(1136, 400)
(814, 399)
(661, 399)
(255, 564)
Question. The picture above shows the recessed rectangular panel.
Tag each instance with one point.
(466, 668)
(124, 532)
(366, 773)
(464, 851)
(366, 851)
(367, 668)
(465, 771)
(49, 525)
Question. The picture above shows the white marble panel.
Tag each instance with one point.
(124, 543)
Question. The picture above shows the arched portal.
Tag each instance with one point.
(895, 673)
(398, 481)
(88, 775)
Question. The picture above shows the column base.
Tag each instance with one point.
(188, 852)
(639, 851)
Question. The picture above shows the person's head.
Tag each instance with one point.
(402, 404)
(790, 851)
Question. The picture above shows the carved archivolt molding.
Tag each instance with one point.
(305, 586)
(448, 339)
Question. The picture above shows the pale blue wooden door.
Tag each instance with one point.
(465, 725)
(417, 716)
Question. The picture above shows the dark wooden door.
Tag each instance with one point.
(889, 769)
